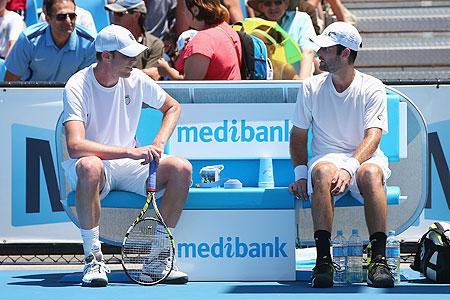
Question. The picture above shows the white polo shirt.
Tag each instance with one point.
(110, 115)
(338, 120)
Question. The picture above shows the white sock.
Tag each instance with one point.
(91, 242)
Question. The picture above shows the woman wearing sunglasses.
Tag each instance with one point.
(299, 26)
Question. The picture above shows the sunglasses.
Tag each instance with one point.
(270, 3)
(63, 17)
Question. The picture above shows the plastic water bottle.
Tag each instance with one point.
(354, 258)
(393, 255)
(339, 244)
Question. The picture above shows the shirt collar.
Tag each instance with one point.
(287, 18)
(70, 45)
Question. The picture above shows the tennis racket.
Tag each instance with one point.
(148, 247)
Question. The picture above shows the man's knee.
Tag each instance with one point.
(90, 169)
(322, 174)
(369, 176)
(180, 169)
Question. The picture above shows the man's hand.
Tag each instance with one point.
(147, 153)
(340, 182)
(299, 188)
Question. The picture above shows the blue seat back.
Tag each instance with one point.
(31, 14)
(97, 9)
(2, 69)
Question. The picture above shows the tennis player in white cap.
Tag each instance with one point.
(102, 105)
(347, 112)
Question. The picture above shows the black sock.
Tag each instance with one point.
(378, 241)
(322, 238)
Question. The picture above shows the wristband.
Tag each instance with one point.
(301, 172)
(351, 165)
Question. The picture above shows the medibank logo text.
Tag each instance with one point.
(228, 247)
(234, 131)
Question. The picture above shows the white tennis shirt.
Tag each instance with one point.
(110, 115)
(338, 120)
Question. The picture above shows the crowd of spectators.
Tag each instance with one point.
(62, 42)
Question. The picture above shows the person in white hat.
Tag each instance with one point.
(102, 106)
(347, 112)
(131, 14)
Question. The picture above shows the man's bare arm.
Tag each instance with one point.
(171, 110)
(369, 145)
(298, 146)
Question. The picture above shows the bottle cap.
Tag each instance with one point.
(354, 231)
(340, 232)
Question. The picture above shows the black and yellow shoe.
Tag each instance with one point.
(379, 274)
(322, 276)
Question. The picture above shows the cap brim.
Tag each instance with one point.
(114, 7)
(323, 41)
(133, 50)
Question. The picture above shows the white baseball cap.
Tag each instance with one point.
(118, 38)
(124, 5)
(341, 33)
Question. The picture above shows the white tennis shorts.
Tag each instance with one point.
(338, 159)
(123, 174)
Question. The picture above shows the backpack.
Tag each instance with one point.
(255, 63)
(433, 253)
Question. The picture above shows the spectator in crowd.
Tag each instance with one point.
(233, 7)
(17, 6)
(84, 18)
(105, 158)
(164, 67)
(161, 15)
(11, 25)
(131, 14)
(347, 111)
(214, 53)
(300, 5)
(51, 51)
(297, 24)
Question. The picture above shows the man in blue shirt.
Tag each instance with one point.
(51, 51)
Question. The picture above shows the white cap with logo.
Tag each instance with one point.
(124, 5)
(341, 33)
(118, 38)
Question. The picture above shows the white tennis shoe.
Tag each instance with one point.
(95, 270)
(161, 268)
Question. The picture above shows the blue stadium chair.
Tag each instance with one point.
(31, 13)
(97, 9)
(2, 69)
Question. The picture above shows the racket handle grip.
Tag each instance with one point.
(151, 181)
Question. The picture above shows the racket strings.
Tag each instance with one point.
(147, 252)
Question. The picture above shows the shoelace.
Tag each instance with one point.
(98, 266)
(332, 263)
(384, 264)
